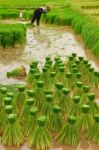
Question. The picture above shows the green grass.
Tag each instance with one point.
(11, 35)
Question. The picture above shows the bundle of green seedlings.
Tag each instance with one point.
(9, 14)
(12, 35)
(18, 72)
(59, 90)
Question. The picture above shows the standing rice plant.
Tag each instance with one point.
(84, 98)
(31, 93)
(58, 93)
(93, 134)
(12, 135)
(55, 121)
(84, 121)
(52, 81)
(40, 99)
(40, 137)
(93, 105)
(95, 80)
(68, 80)
(20, 96)
(69, 134)
(78, 88)
(65, 101)
(25, 109)
(47, 108)
(46, 77)
(30, 78)
(75, 108)
(31, 122)
(8, 109)
(60, 76)
(3, 92)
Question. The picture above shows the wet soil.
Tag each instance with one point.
(41, 42)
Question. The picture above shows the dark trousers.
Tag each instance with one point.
(37, 20)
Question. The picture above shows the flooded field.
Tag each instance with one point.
(41, 42)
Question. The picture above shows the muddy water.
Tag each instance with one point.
(40, 43)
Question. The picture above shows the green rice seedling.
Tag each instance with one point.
(25, 109)
(68, 79)
(31, 93)
(30, 78)
(55, 121)
(95, 49)
(8, 109)
(36, 78)
(47, 108)
(65, 101)
(69, 134)
(93, 134)
(52, 81)
(78, 88)
(40, 99)
(12, 135)
(3, 92)
(19, 71)
(31, 122)
(84, 98)
(20, 96)
(58, 93)
(40, 137)
(93, 105)
(46, 77)
(84, 121)
(75, 108)
(60, 76)
(70, 62)
(34, 65)
(95, 80)
(58, 61)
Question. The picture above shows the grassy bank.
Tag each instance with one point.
(12, 35)
(81, 24)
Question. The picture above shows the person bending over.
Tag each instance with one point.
(37, 14)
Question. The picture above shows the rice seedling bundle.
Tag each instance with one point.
(78, 88)
(69, 134)
(31, 122)
(3, 92)
(95, 79)
(69, 76)
(30, 78)
(20, 71)
(40, 137)
(84, 121)
(25, 109)
(8, 14)
(47, 108)
(65, 101)
(12, 133)
(94, 109)
(55, 120)
(75, 109)
(40, 99)
(93, 134)
(52, 81)
(20, 96)
(58, 92)
(84, 98)
(8, 109)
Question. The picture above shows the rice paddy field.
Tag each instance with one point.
(49, 76)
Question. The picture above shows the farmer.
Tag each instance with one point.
(38, 12)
